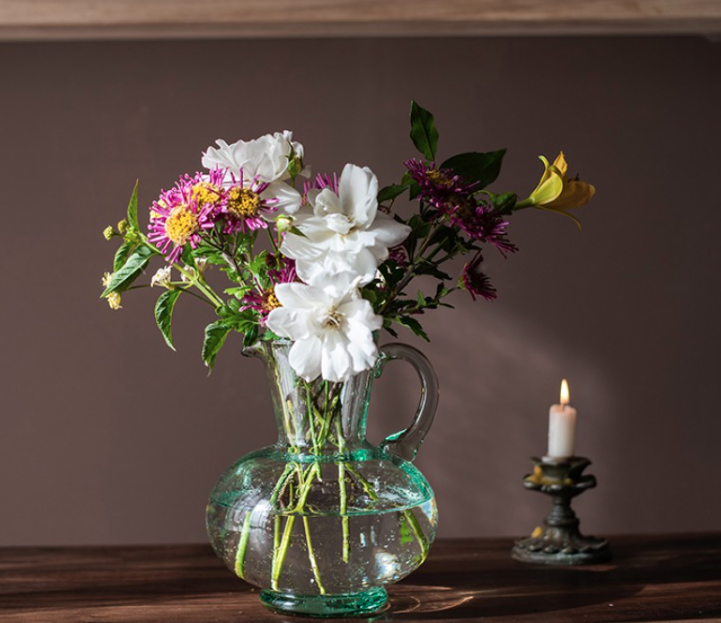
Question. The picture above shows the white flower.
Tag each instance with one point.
(332, 328)
(266, 157)
(161, 277)
(345, 231)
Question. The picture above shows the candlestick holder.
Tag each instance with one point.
(559, 541)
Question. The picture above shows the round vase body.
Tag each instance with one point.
(323, 521)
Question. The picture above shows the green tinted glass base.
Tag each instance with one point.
(344, 605)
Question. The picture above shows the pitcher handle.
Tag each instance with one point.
(405, 443)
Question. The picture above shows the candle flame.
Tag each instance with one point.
(565, 395)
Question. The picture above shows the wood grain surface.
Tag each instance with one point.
(91, 19)
(651, 579)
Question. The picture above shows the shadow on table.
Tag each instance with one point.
(471, 589)
(458, 583)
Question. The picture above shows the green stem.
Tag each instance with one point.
(343, 493)
(242, 547)
(273, 242)
(367, 487)
(311, 421)
(410, 271)
(311, 557)
(418, 533)
(194, 280)
(282, 551)
(280, 485)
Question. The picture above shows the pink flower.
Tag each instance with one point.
(245, 205)
(178, 218)
(266, 301)
(476, 282)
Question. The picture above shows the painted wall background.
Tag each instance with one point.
(106, 436)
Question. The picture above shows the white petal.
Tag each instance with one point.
(362, 349)
(295, 324)
(305, 358)
(338, 224)
(301, 296)
(358, 191)
(300, 248)
(221, 157)
(360, 312)
(388, 231)
(316, 229)
(336, 363)
(349, 267)
(289, 198)
(325, 202)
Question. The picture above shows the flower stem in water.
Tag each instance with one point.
(242, 546)
(311, 557)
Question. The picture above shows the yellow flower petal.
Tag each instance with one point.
(549, 189)
(560, 163)
(575, 194)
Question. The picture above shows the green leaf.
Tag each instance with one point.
(121, 255)
(421, 299)
(476, 166)
(414, 326)
(391, 192)
(131, 270)
(238, 292)
(133, 208)
(215, 334)
(387, 322)
(250, 335)
(423, 131)
(164, 314)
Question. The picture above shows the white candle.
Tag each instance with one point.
(561, 427)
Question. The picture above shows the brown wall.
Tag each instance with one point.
(106, 436)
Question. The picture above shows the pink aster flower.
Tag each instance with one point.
(266, 301)
(399, 255)
(438, 187)
(476, 282)
(208, 189)
(480, 221)
(178, 218)
(247, 205)
(453, 197)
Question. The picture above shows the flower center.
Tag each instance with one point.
(271, 301)
(333, 319)
(438, 178)
(205, 193)
(243, 203)
(465, 209)
(181, 224)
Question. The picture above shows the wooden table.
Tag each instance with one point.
(659, 578)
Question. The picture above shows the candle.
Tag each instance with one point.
(561, 427)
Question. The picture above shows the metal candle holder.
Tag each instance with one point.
(559, 541)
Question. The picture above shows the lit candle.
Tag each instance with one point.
(561, 427)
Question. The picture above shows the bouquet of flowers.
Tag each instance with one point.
(324, 261)
(316, 267)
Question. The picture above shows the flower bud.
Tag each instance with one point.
(284, 223)
(114, 300)
(123, 226)
(108, 232)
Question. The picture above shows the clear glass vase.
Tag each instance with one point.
(322, 521)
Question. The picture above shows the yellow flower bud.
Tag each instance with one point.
(108, 232)
(123, 226)
(114, 300)
(557, 192)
